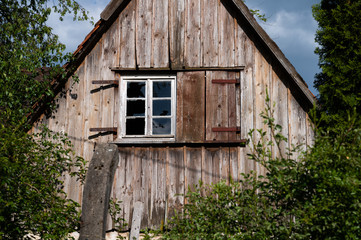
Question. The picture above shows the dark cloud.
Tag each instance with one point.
(291, 25)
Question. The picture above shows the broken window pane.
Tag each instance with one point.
(135, 108)
(162, 107)
(136, 89)
(162, 89)
(162, 126)
(135, 126)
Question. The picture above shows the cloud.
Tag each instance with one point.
(294, 33)
(292, 29)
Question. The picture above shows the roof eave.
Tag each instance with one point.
(274, 49)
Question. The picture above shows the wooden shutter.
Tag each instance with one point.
(190, 106)
(221, 106)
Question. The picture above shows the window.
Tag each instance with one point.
(148, 107)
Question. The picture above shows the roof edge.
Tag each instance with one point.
(110, 9)
(276, 51)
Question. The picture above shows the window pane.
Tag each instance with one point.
(135, 126)
(162, 126)
(162, 89)
(162, 107)
(136, 89)
(136, 108)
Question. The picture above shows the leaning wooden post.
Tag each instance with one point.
(97, 189)
(137, 217)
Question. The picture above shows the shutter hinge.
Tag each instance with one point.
(112, 82)
(112, 129)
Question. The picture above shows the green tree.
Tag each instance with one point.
(339, 39)
(32, 199)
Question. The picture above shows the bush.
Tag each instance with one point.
(315, 197)
(32, 199)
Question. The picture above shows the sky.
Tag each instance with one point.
(289, 23)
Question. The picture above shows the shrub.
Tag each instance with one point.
(315, 197)
(32, 198)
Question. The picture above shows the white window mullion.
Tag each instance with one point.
(149, 106)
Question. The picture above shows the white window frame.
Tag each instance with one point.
(148, 137)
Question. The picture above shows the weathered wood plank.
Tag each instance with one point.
(247, 90)
(261, 71)
(122, 185)
(247, 99)
(193, 56)
(160, 46)
(279, 97)
(146, 183)
(225, 164)
(239, 45)
(127, 55)
(176, 32)
(233, 163)
(209, 28)
(144, 32)
(92, 101)
(262, 79)
(310, 132)
(75, 130)
(158, 186)
(297, 125)
(191, 126)
(118, 190)
(180, 111)
(129, 189)
(232, 106)
(225, 37)
(109, 58)
(217, 106)
(137, 215)
(193, 170)
(207, 165)
(216, 165)
(176, 185)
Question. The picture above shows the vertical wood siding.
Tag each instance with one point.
(181, 34)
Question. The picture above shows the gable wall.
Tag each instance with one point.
(176, 34)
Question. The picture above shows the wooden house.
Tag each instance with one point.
(177, 85)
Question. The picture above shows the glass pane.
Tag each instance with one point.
(161, 89)
(136, 89)
(136, 108)
(162, 107)
(162, 126)
(135, 126)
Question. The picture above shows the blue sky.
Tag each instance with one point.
(290, 24)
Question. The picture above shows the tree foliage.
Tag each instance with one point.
(32, 199)
(339, 39)
(30, 54)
